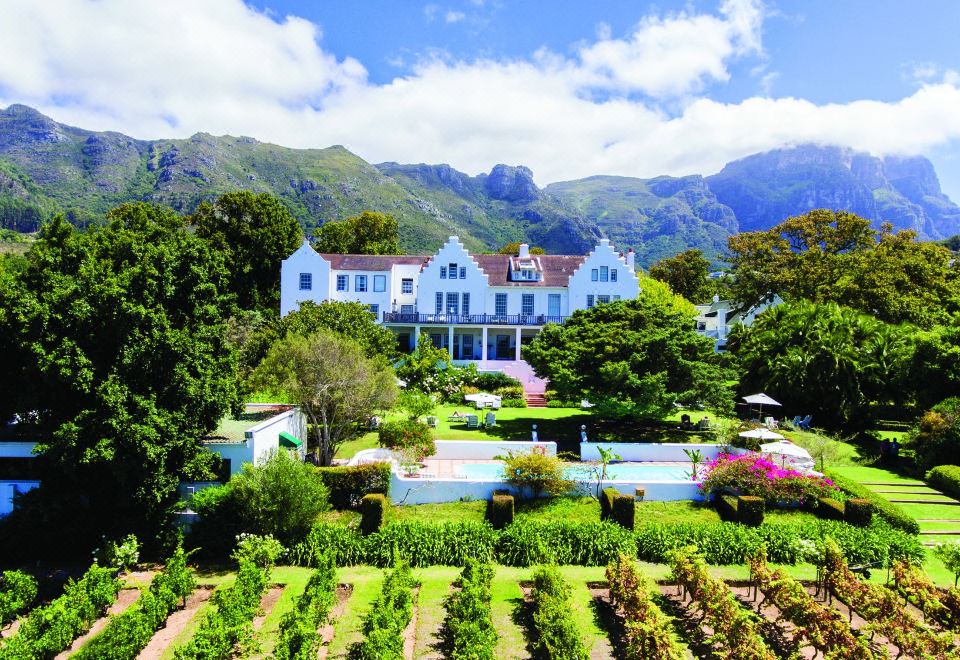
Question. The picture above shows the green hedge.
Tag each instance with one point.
(945, 478)
(500, 509)
(858, 512)
(513, 403)
(829, 508)
(624, 511)
(17, 592)
(468, 631)
(726, 506)
(128, 633)
(51, 628)
(557, 636)
(606, 502)
(299, 634)
(883, 507)
(373, 510)
(348, 484)
(750, 510)
(528, 543)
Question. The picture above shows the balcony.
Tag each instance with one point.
(471, 319)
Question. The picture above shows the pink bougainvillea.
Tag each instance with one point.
(756, 474)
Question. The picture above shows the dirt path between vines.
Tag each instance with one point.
(267, 603)
(125, 599)
(344, 591)
(176, 622)
(410, 632)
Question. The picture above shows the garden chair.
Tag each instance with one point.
(795, 422)
(805, 422)
(490, 420)
(473, 422)
(432, 422)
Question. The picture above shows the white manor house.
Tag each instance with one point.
(477, 306)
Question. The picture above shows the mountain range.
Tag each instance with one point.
(48, 167)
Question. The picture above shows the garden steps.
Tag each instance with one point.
(941, 502)
(894, 483)
(535, 400)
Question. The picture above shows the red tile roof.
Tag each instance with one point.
(373, 261)
(556, 269)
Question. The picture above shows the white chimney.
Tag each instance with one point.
(524, 251)
(630, 259)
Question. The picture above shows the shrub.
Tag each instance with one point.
(829, 508)
(51, 628)
(949, 554)
(468, 631)
(373, 509)
(945, 478)
(509, 392)
(757, 475)
(128, 633)
(17, 592)
(539, 473)
(514, 403)
(562, 404)
(500, 511)
(750, 510)
(606, 502)
(726, 507)
(389, 615)
(488, 381)
(122, 554)
(299, 637)
(936, 438)
(623, 511)
(343, 545)
(229, 625)
(408, 434)
(348, 484)
(528, 542)
(416, 404)
(557, 634)
(858, 512)
(431, 544)
(264, 551)
(280, 497)
(883, 507)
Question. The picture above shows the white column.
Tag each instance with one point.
(483, 348)
(519, 328)
(416, 336)
(450, 341)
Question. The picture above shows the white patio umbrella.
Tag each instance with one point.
(482, 398)
(761, 400)
(761, 434)
(789, 454)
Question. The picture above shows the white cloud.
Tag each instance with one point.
(454, 16)
(170, 69)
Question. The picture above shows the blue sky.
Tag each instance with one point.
(568, 88)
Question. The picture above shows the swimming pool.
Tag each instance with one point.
(633, 472)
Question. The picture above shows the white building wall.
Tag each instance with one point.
(9, 489)
(541, 296)
(476, 282)
(370, 296)
(401, 272)
(581, 283)
(304, 260)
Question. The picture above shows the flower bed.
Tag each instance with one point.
(757, 475)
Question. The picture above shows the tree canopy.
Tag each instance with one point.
(115, 359)
(514, 248)
(686, 273)
(337, 387)
(834, 256)
(254, 232)
(641, 355)
(368, 233)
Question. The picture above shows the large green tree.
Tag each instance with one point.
(833, 362)
(686, 273)
(115, 360)
(370, 232)
(337, 387)
(254, 232)
(640, 356)
(835, 256)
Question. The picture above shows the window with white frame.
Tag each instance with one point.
(553, 304)
(406, 285)
(443, 272)
(526, 304)
(463, 272)
(589, 300)
(360, 283)
(343, 282)
(465, 304)
(438, 300)
(379, 283)
(613, 274)
(375, 310)
(452, 270)
(306, 281)
(616, 298)
(500, 304)
(604, 273)
(603, 299)
(406, 309)
(453, 304)
(594, 275)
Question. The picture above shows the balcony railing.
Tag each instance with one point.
(471, 319)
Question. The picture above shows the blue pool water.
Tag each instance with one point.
(635, 472)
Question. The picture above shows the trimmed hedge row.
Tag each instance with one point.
(230, 623)
(51, 628)
(17, 592)
(557, 635)
(348, 484)
(299, 634)
(945, 478)
(617, 507)
(127, 634)
(389, 615)
(373, 509)
(530, 543)
(500, 510)
(468, 632)
(883, 507)
(744, 509)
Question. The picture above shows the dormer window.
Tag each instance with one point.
(525, 270)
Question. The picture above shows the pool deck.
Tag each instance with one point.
(446, 468)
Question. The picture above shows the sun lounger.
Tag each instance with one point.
(473, 422)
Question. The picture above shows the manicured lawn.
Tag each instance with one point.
(431, 607)
(366, 582)
(295, 578)
(866, 474)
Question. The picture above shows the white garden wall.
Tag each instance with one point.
(644, 451)
(487, 450)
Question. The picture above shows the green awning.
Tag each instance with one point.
(290, 441)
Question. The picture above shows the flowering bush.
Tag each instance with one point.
(754, 474)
